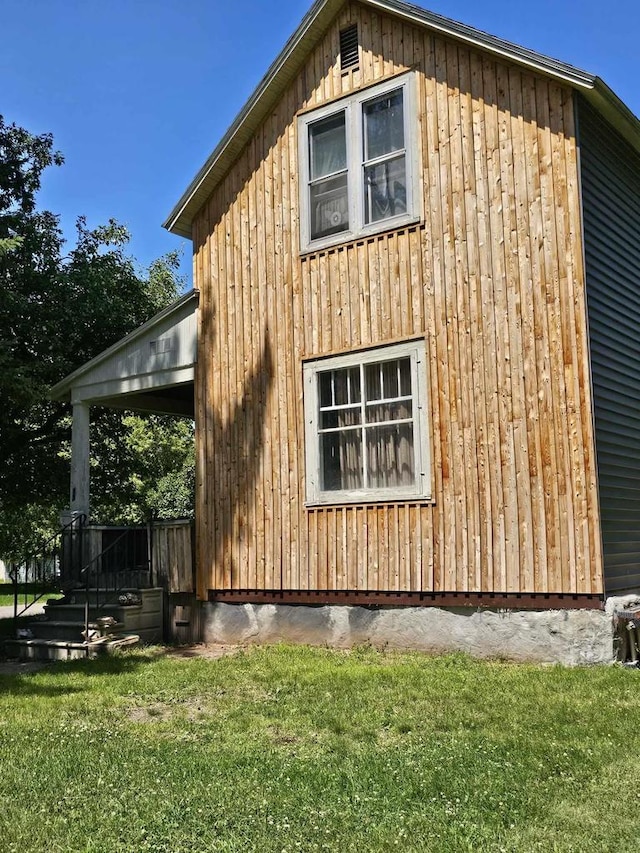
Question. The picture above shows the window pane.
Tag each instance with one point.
(327, 146)
(341, 460)
(329, 207)
(383, 125)
(404, 369)
(390, 379)
(354, 379)
(390, 458)
(373, 382)
(389, 412)
(347, 384)
(325, 387)
(385, 190)
(339, 387)
(336, 418)
(386, 380)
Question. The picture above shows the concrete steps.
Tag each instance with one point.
(42, 649)
(64, 631)
(75, 612)
(144, 618)
(59, 633)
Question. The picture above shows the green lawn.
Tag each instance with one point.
(287, 749)
(7, 600)
(6, 593)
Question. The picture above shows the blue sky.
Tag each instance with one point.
(138, 92)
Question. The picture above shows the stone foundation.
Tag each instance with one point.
(570, 637)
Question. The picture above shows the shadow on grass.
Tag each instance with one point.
(23, 685)
(17, 677)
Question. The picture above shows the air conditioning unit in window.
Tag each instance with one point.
(332, 218)
(330, 213)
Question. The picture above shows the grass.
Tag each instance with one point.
(286, 749)
(6, 593)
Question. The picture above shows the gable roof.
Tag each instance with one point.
(137, 373)
(312, 28)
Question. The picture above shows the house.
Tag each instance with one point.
(417, 384)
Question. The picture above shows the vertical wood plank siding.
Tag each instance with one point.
(172, 556)
(611, 198)
(492, 277)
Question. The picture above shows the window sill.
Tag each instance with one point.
(349, 238)
(365, 503)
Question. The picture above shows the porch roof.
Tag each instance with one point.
(151, 369)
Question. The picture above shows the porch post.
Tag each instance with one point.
(79, 496)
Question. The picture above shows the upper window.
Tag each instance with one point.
(357, 165)
(366, 425)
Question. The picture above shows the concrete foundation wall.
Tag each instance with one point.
(570, 637)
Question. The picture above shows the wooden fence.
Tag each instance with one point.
(173, 569)
(170, 546)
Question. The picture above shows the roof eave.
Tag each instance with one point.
(264, 96)
(615, 111)
(61, 391)
(486, 42)
(315, 22)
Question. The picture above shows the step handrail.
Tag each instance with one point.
(109, 592)
(36, 562)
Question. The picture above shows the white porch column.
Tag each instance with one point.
(79, 496)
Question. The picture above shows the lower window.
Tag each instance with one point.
(366, 425)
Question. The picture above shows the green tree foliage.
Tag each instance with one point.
(58, 311)
(154, 463)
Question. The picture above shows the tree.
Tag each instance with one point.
(56, 313)
(154, 462)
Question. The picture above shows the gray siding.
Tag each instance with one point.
(611, 201)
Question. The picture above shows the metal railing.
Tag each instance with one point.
(42, 571)
(124, 564)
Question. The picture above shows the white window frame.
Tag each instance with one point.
(352, 106)
(421, 488)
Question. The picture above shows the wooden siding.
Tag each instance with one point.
(611, 197)
(172, 556)
(492, 277)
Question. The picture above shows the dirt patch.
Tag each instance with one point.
(194, 709)
(152, 714)
(212, 652)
